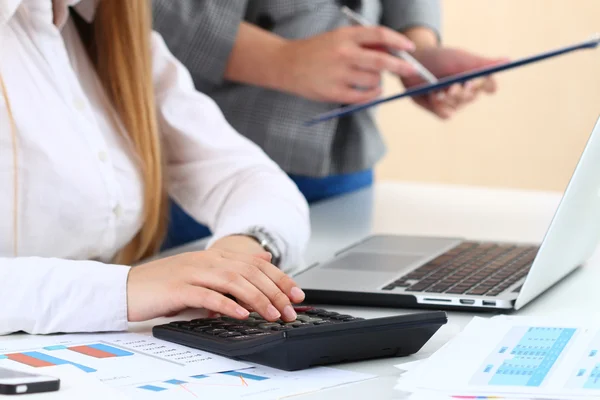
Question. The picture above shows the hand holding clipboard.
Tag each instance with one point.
(449, 81)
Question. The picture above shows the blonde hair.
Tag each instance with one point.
(118, 43)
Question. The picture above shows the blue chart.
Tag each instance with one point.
(525, 357)
(587, 373)
(52, 355)
(221, 379)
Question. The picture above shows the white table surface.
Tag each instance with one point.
(427, 209)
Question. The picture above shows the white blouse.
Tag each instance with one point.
(80, 195)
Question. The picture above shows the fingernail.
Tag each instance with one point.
(272, 312)
(296, 293)
(289, 313)
(242, 312)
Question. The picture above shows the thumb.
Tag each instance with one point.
(494, 61)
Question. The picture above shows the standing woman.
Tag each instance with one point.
(99, 123)
(271, 65)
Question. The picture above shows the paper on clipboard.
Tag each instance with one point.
(451, 80)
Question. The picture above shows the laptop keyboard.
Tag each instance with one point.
(481, 269)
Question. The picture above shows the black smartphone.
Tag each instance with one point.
(17, 382)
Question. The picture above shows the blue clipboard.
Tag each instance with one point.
(448, 81)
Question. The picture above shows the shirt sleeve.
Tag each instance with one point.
(215, 174)
(200, 33)
(43, 295)
(401, 15)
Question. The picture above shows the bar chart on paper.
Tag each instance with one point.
(259, 382)
(117, 360)
(525, 357)
(53, 355)
(587, 374)
(229, 384)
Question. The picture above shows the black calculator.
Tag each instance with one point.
(316, 337)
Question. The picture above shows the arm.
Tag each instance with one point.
(42, 295)
(200, 33)
(219, 177)
(211, 38)
(419, 20)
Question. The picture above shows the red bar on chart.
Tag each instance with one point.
(28, 360)
(92, 352)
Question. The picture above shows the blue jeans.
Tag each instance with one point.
(184, 229)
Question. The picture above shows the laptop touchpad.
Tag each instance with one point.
(372, 262)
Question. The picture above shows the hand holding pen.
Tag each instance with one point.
(341, 66)
(433, 63)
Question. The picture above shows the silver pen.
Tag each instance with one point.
(421, 70)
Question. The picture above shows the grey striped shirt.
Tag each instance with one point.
(201, 34)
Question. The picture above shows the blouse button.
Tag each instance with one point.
(79, 104)
(118, 211)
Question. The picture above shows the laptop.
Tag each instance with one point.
(458, 273)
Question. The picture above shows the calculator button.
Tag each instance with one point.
(202, 328)
(302, 325)
(187, 327)
(215, 331)
(205, 320)
(323, 323)
(230, 334)
(251, 331)
(236, 327)
(277, 328)
(313, 320)
(314, 311)
(341, 317)
(295, 324)
(303, 318)
(303, 309)
(328, 314)
(267, 325)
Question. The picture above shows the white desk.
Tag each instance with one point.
(436, 210)
(425, 209)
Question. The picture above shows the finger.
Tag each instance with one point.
(199, 297)
(381, 36)
(352, 95)
(465, 95)
(282, 280)
(469, 92)
(453, 96)
(438, 105)
(489, 85)
(230, 280)
(265, 256)
(362, 79)
(379, 61)
(267, 286)
(246, 306)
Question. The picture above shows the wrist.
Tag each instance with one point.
(422, 37)
(283, 67)
(239, 243)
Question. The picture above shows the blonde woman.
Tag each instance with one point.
(98, 122)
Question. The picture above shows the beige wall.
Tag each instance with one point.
(530, 134)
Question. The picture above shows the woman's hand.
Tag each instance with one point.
(443, 62)
(342, 66)
(202, 279)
